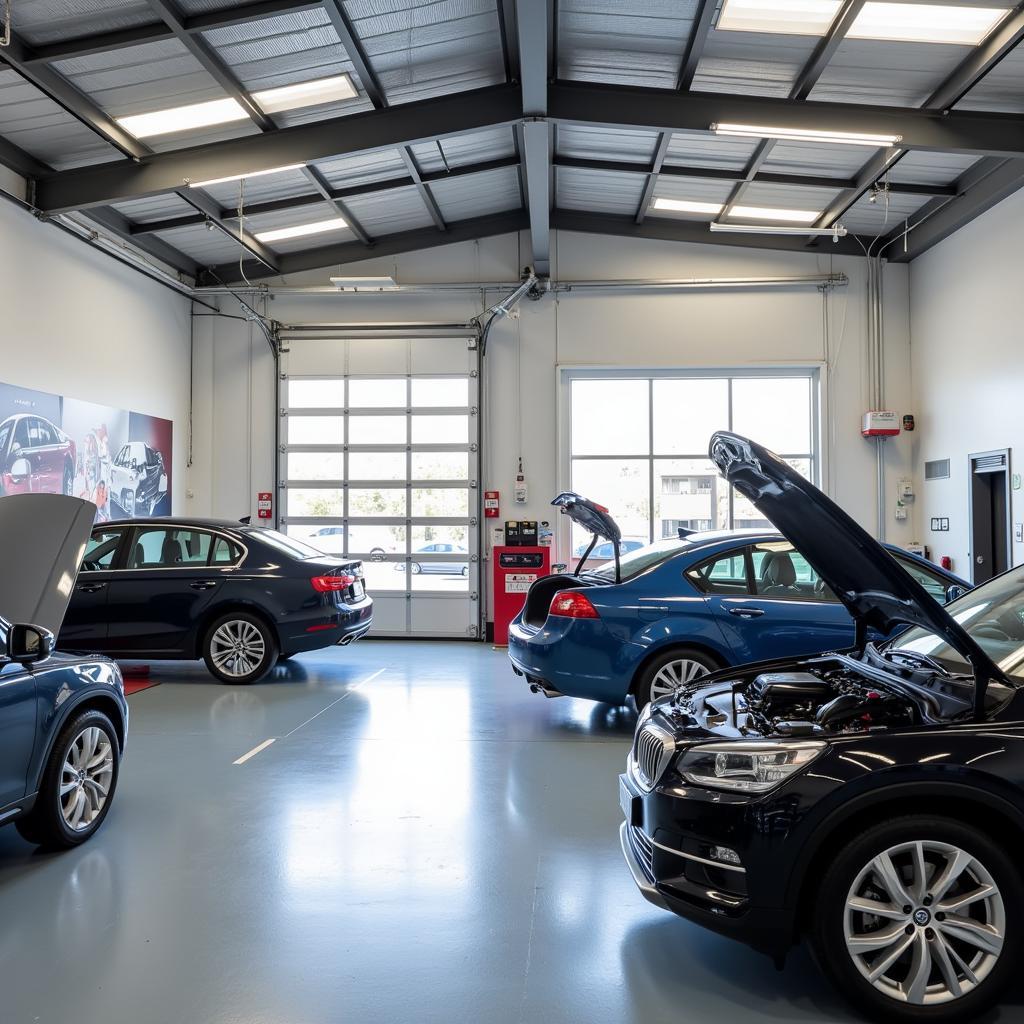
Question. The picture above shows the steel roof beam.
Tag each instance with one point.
(14, 158)
(354, 48)
(421, 186)
(201, 201)
(509, 39)
(696, 43)
(371, 131)
(324, 190)
(117, 224)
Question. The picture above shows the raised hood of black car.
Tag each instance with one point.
(42, 542)
(588, 514)
(877, 592)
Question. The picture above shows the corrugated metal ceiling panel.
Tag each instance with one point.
(931, 168)
(751, 63)
(699, 190)
(599, 191)
(886, 73)
(787, 197)
(140, 211)
(628, 42)
(702, 149)
(585, 142)
(462, 150)
(813, 158)
(262, 189)
(204, 246)
(45, 130)
(47, 21)
(363, 168)
(477, 195)
(420, 50)
(1002, 89)
(384, 213)
(865, 218)
(301, 215)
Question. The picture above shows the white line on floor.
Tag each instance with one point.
(254, 751)
(350, 690)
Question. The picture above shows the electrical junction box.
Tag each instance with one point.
(880, 423)
(905, 490)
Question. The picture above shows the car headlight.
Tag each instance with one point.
(747, 767)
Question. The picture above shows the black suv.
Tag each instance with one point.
(871, 799)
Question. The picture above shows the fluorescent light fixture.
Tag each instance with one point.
(182, 119)
(789, 17)
(686, 206)
(299, 230)
(365, 284)
(925, 23)
(765, 131)
(776, 229)
(305, 94)
(247, 175)
(773, 213)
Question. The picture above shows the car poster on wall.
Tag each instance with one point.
(117, 459)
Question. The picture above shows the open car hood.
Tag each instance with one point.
(42, 542)
(877, 592)
(591, 516)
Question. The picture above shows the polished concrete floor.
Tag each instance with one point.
(424, 841)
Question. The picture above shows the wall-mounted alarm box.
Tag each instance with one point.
(880, 423)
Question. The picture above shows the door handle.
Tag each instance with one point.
(90, 588)
(746, 613)
(203, 584)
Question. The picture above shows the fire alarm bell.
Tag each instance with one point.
(880, 423)
(264, 505)
(908, 422)
(491, 510)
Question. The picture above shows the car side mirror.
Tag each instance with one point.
(20, 470)
(953, 591)
(28, 644)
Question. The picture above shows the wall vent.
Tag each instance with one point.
(937, 469)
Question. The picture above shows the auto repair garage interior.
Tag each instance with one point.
(390, 276)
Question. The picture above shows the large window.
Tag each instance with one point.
(638, 442)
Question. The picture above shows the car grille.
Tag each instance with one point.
(643, 849)
(653, 748)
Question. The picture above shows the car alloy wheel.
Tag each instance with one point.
(237, 648)
(676, 675)
(416, 568)
(925, 922)
(85, 778)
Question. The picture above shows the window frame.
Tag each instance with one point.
(133, 531)
(743, 551)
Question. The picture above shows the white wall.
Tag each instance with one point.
(966, 328)
(75, 322)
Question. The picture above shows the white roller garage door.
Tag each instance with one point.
(379, 455)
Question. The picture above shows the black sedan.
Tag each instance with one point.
(235, 595)
(64, 718)
(870, 799)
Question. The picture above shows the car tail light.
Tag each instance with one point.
(326, 584)
(572, 605)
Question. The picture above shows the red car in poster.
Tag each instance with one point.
(35, 456)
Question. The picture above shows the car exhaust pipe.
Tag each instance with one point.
(346, 640)
(539, 686)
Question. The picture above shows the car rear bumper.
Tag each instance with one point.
(329, 625)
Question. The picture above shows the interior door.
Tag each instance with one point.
(990, 501)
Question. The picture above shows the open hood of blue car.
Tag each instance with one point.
(878, 592)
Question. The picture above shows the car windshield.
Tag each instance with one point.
(632, 563)
(289, 545)
(993, 614)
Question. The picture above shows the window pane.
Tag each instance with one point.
(315, 501)
(448, 575)
(159, 548)
(100, 550)
(429, 536)
(440, 391)
(376, 466)
(440, 501)
(688, 493)
(365, 394)
(687, 413)
(781, 572)
(377, 429)
(610, 417)
(224, 552)
(377, 501)
(316, 465)
(774, 411)
(316, 394)
(315, 429)
(329, 539)
(933, 583)
(440, 429)
(375, 541)
(746, 516)
(725, 575)
(440, 465)
(383, 576)
(622, 486)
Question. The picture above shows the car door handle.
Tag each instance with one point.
(746, 613)
(203, 584)
(90, 588)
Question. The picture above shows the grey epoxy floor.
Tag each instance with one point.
(425, 841)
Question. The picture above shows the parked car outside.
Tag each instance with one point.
(63, 717)
(337, 540)
(138, 479)
(35, 456)
(605, 551)
(235, 595)
(869, 799)
(684, 606)
(436, 565)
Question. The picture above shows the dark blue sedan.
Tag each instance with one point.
(684, 607)
(63, 717)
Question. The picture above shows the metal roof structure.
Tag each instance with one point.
(469, 118)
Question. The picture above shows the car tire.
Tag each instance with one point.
(239, 648)
(87, 757)
(683, 665)
(464, 571)
(416, 568)
(876, 861)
